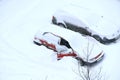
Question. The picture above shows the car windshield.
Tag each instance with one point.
(65, 42)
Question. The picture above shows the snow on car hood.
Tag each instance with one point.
(89, 49)
(108, 29)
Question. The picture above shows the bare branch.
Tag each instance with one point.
(87, 72)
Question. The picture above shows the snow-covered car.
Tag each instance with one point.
(86, 22)
(62, 47)
(52, 41)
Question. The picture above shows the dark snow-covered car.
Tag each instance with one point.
(62, 47)
(86, 22)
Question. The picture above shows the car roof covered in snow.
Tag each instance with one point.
(93, 20)
(50, 37)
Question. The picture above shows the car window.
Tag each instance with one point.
(65, 42)
(76, 28)
(74, 20)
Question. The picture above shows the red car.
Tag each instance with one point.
(56, 43)
(62, 47)
(51, 41)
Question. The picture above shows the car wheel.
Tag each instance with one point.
(37, 43)
(61, 25)
(98, 38)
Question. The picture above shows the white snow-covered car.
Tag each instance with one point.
(62, 47)
(86, 22)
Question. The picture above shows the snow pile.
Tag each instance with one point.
(20, 59)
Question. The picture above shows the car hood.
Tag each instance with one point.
(89, 49)
(106, 28)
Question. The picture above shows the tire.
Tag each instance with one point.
(61, 25)
(98, 38)
(37, 43)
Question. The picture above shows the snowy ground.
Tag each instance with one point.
(20, 59)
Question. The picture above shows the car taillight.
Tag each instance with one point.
(53, 17)
(54, 21)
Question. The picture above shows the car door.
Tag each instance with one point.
(76, 25)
